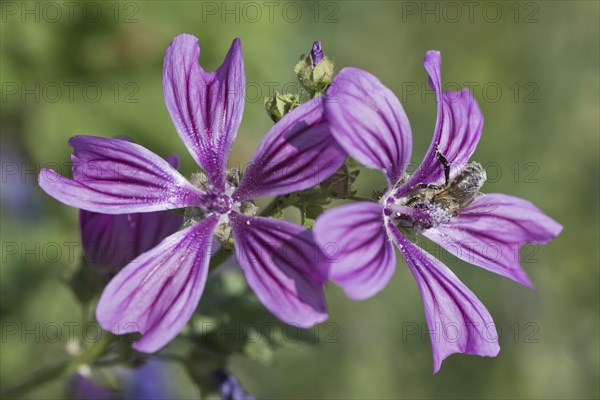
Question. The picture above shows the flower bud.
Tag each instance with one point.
(315, 71)
(281, 104)
(316, 53)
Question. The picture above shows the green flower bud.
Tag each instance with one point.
(315, 71)
(281, 104)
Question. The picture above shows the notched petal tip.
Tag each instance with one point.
(236, 44)
(433, 56)
(184, 39)
(437, 363)
(433, 65)
(234, 56)
(458, 322)
(554, 229)
(205, 107)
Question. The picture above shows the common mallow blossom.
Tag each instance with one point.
(111, 241)
(441, 200)
(159, 290)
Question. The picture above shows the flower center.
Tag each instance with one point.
(423, 215)
(218, 203)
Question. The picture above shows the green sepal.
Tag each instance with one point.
(339, 185)
(315, 79)
(281, 104)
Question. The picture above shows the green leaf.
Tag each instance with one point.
(339, 185)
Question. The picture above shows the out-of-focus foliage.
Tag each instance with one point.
(534, 70)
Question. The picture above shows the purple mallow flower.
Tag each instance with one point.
(159, 290)
(441, 200)
(110, 242)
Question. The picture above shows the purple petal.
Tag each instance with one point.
(206, 107)
(369, 122)
(316, 53)
(111, 241)
(489, 233)
(282, 264)
(298, 152)
(116, 176)
(157, 293)
(458, 322)
(457, 129)
(360, 254)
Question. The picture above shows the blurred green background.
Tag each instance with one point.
(534, 67)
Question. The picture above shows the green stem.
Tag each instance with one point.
(56, 371)
(358, 198)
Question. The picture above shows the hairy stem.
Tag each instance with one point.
(359, 198)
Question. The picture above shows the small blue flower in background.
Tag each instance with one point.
(230, 388)
(83, 387)
(146, 382)
(18, 195)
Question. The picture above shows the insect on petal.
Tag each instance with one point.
(490, 232)
(457, 129)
